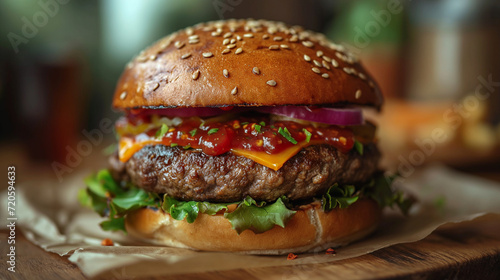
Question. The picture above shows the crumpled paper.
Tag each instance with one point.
(50, 216)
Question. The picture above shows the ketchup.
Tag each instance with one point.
(248, 133)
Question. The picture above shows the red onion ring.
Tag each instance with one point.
(334, 116)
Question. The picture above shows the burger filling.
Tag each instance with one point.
(256, 169)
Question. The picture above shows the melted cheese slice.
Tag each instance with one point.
(274, 161)
(128, 147)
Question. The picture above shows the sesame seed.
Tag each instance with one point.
(142, 58)
(248, 35)
(319, 53)
(341, 56)
(215, 34)
(358, 94)
(194, 37)
(196, 74)
(325, 75)
(307, 58)
(208, 28)
(238, 37)
(207, 54)
(234, 91)
(256, 71)
(238, 51)
(228, 34)
(284, 46)
(325, 64)
(179, 44)
(233, 41)
(193, 41)
(186, 55)
(328, 59)
(347, 70)
(225, 42)
(265, 36)
(274, 47)
(225, 73)
(155, 86)
(231, 46)
(294, 38)
(317, 63)
(308, 44)
(226, 51)
(189, 31)
(334, 63)
(123, 95)
(316, 70)
(278, 38)
(362, 76)
(271, 83)
(152, 57)
(271, 30)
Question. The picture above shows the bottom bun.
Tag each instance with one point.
(310, 229)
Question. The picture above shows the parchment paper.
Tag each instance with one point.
(49, 215)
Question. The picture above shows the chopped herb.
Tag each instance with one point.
(285, 133)
(359, 147)
(187, 147)
(262, 123)
(308, 135)
(257, 127)
(272, 126)
(193, 132)
(160, 133)
(244, 123)
(212, 131)
(174, 145)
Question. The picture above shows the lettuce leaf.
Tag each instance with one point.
(115, 201)
(249, 214)
(380, 190)
(181, 209)
(110, 200)
(339, 197)
(259, 218)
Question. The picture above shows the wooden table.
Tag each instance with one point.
(469, 250)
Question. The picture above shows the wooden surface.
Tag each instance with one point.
(469, 250)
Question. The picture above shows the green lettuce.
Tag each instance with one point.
(249, 214)
(379, 189)
(339, 197)
(111, 200)
(259, 217)
(114, 201)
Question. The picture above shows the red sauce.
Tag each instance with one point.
(248, 133)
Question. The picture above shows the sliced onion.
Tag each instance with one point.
(322, 115)
(334, 116)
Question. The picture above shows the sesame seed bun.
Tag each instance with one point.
(244, 63)
(310, 229)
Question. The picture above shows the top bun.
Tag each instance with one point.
(245, 63)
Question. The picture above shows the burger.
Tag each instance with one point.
(244, 136)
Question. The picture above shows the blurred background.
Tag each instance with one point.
(437, 62)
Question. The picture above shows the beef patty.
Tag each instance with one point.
(192, 175)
